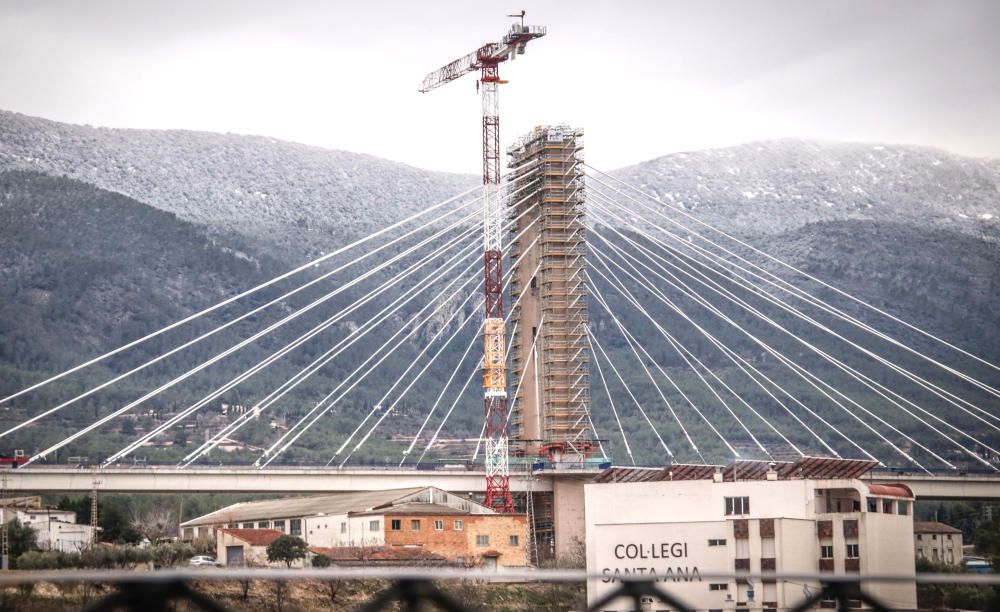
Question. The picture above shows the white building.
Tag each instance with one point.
(341, 519)
(938, 542)
(681, 523)
(54, 529)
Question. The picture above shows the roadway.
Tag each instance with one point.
(943, 486)
(163, 479)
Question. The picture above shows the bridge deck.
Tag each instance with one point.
(160, 479)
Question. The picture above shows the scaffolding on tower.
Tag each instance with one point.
(487, 60)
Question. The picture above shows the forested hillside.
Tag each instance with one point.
(106, 235)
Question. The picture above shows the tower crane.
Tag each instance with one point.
(487, 59)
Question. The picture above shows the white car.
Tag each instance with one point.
(202, 561)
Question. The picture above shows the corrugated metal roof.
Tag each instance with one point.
(414, 508)
(340, 503)
(297, 507)
(804, 467)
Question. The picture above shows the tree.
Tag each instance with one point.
(155, 523)
(114, 517)
(286, 548)
(21, 538)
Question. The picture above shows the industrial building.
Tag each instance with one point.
(684, 522)
(425, 518)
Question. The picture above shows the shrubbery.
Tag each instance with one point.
(107, 557)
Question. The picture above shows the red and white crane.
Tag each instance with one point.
(487, 60)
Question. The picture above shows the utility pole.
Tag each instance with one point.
(93, 509)
(5, 537)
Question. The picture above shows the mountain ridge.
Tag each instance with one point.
(916, 242)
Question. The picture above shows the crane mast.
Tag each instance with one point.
(487, 59)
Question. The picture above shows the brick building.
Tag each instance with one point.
(460, 530)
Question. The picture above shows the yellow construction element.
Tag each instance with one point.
(494, 349)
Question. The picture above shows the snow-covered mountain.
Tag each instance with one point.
(770, 187)
(296, 199)
(910, 229)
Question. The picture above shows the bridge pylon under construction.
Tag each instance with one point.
(549, 353)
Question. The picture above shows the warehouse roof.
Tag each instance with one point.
(340, 503)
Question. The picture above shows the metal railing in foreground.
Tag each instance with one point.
(414, 588)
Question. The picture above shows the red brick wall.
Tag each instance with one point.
(462, 544)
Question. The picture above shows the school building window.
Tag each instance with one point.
(737, 505)
(482, 540)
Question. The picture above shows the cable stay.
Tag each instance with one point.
(635, 346)
(414, 379)
(454, 372)
(295, 380)
(807, 376)
(645, 284)
(810, 378)
(860, 377)
(358, 446)
(683, 353)
(796, 290)
(594, 343)
(394, 342)
(219, 328)
(611, 401)
(734, 356)
(472, 374)
(271, 457)
(945, 395)
(246, 293)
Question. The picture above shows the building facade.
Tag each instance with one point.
(937, 542)
(245, 547)
(462, 531)
(54, 529)
(681, 530)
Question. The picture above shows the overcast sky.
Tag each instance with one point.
(642, 78)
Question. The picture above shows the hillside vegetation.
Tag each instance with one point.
(106, 235)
